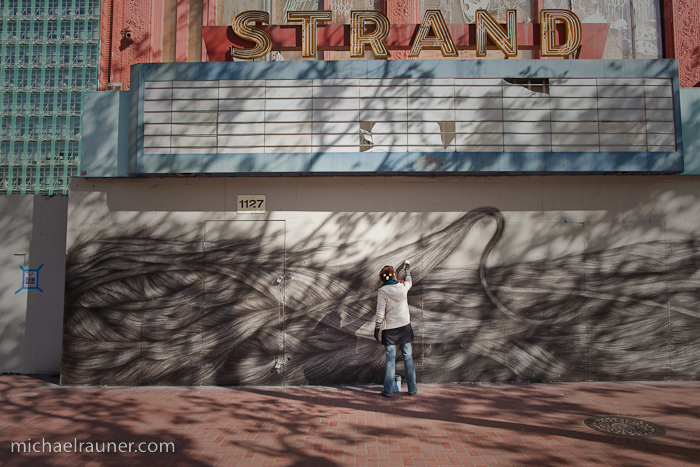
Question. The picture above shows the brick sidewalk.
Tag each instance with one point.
(444, 425)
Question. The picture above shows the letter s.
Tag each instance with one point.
(246, 32)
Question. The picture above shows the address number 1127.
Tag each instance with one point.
(251, 203)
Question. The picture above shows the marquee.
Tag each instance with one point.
(393, 117)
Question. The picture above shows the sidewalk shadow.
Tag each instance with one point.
(316, 425)
(36, 410)
(445, 408)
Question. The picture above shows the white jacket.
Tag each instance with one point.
(392, 305)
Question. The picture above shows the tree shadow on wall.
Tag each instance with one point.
(136, 311)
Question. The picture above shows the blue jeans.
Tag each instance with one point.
(391, 368)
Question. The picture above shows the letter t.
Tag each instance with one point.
(309, 23)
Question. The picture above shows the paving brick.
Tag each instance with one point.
(446, 425)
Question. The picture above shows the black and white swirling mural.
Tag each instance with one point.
(148, 310)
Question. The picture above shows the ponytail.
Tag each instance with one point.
(387, 274)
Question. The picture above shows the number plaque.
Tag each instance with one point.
(251, 204)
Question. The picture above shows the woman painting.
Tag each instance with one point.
(393, 319)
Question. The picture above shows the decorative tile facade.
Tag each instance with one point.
(49, 57)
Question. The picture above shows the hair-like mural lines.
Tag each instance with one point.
(144, 309)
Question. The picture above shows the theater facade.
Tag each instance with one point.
(535, 162)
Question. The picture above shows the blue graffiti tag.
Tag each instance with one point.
(30, 279)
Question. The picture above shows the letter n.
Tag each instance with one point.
(506, 40)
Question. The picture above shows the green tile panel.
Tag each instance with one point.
(49, 54)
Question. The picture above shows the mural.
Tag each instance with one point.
(635, 25)
(221, 305)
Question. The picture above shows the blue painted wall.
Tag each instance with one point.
(690, 117)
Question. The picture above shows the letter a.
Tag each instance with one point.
(442, 38)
